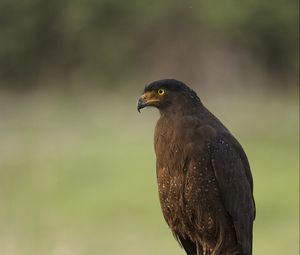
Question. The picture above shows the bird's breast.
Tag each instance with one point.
(186, 183)
(187, 199)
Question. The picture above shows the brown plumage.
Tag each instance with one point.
(204, 179)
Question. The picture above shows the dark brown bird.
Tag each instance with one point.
(204, 179)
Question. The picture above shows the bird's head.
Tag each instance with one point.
(166, 94)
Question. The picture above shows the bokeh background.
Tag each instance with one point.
(77, 165)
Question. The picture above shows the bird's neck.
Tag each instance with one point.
(184, 108)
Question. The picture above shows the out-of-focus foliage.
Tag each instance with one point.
(112, 41)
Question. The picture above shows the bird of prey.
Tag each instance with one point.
(204, 179)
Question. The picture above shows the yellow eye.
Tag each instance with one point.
(161, 92)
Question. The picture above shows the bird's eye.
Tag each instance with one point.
(161, 92)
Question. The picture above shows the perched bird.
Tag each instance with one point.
(204, 179)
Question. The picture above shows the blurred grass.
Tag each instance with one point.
(77, 172)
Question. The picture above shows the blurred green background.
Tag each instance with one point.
(77, 165)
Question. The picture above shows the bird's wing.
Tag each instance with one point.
(234, 179)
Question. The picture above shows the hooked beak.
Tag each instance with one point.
(142, 103)
(146, 100)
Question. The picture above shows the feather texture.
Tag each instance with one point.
(204, 179)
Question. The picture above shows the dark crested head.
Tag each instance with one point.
(169, 84)
(167, 93)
